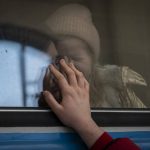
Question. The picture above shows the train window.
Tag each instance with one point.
(107, 40)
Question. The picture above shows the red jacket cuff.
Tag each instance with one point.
(102, 141)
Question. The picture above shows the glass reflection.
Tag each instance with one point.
(13, 93)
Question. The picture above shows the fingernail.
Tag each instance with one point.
(62, 61)
(71, 64)
(45, 93)
(51, 66)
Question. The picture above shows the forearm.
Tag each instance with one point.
(89, 132)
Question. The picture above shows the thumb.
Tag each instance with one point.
(51, 101)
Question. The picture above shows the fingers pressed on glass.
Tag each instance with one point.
(51, 101)
(79, 75)
(60, 77)
(69, 72)
(46, 80)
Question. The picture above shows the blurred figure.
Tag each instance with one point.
(76, 37)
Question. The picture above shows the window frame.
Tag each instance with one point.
(13, 117)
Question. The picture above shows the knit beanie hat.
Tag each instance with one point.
(75, 20)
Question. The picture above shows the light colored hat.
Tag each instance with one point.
(75, 20)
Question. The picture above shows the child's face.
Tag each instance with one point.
(74, 49)
(77, 50)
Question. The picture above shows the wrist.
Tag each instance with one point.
(83, 123)
(88, 126)
(89, 132)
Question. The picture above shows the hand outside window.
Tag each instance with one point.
(74, 110)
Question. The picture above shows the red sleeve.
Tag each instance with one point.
(105, 142)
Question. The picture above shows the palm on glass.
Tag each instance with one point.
(75, 95)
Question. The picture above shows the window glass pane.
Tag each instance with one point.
(12, 92)
(35, 64)
(10, 79)
(109, 43)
